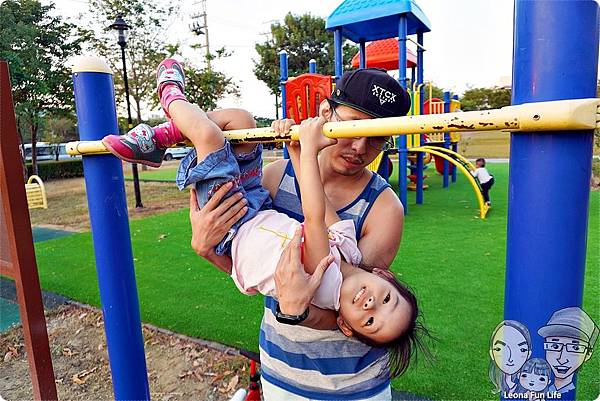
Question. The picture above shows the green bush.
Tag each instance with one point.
(58, 170)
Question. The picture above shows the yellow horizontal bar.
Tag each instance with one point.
(560, 115)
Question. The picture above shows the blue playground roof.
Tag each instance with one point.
(370, 20)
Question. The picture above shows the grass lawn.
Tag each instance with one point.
(453, 260)
(166, 173)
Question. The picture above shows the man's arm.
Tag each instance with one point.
(382, 231)
(211, 223)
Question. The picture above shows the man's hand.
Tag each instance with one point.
(311, 135)
(295, 288)
(211, 223)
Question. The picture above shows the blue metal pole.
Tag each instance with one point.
(402, 144)
(446, 141)
(96, 116)
(337, 53)
(363, 54)
(283, 77)
(413, 74)
(312, 66)
(420, 166)
(548, 218)
(454, 149)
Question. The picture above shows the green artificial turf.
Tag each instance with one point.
(156, 174)
(452, 259)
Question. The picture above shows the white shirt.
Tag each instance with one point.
(482, 174)
(257, 247)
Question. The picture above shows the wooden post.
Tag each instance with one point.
(17, 255)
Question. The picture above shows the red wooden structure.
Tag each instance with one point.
(17, 255)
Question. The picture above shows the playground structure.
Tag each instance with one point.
(36, 193)
(544, 122)
(302, 95)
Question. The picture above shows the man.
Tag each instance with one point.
(300, 362)
(569, 339)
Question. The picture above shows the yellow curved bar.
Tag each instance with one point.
(453, 153)
(483, 208)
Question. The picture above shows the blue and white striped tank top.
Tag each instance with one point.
(319, 364)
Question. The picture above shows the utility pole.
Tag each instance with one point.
(200, 27)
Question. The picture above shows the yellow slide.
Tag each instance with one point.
(463, 165)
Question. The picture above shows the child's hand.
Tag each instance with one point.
(311, 135)
(282, 128)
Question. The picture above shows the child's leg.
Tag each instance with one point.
(194, 124)
(485, 192)
(229, 119)
(146, 145)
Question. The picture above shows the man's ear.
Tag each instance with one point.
(588, 354)
(347, 330)
(325, 110)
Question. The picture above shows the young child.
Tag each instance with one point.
(534, 379)
(486, 180)
(373, 306)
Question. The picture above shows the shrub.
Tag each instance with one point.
(58, 170)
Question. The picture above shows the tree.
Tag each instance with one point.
(147, 47)
(303, 37)
(146, 44)
(205, 86)
(485, 98)
(36, 45)
(58, 129)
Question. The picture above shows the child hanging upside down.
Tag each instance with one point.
(372, 305)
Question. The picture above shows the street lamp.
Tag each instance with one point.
(121, 27)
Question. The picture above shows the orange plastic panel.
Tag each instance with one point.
(304, 93)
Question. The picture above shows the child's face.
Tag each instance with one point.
(373, 307)
(479, 163)
(532, 381)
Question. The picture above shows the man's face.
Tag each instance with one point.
(351, 155)
(565, 355)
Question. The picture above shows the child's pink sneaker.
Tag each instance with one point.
(137, 146)
(170, 83)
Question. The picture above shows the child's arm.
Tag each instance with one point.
(316, 240)
(282, 127)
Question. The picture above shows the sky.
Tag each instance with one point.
(470, 44)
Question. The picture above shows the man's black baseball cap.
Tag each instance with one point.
(372, 91)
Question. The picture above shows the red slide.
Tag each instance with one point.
(439, 165)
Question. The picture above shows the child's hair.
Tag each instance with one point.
(480, 160)
(538, 366)
(402, 349)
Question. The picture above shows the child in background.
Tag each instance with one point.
(485, 179)
(372, 305)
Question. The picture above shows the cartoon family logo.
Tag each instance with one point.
(569, 339)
